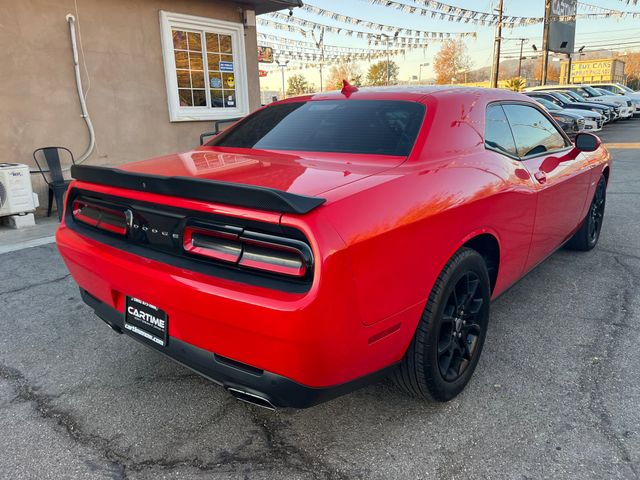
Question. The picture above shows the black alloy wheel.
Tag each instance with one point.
(449, 337)
(596, 213)
(460, 328)
(588, 234)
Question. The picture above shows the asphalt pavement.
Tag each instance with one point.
(556, 393)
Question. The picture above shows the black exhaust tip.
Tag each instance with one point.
(251, 398)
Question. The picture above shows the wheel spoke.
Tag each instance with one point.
(444, 365)
(475, 306)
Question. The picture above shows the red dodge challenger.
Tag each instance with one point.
(327, 240)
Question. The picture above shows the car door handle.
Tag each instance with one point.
(540, 176)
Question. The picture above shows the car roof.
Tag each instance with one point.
(409, 93)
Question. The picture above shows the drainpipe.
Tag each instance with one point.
(83, 104)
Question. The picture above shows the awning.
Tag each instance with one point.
(266, 6)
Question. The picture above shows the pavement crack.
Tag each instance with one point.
(43, 405)
(33, 285)
(605, 346)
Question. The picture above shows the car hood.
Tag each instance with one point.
(565, 113)
(615, 99)
(588, 105)
(582, 113)
(303, 173)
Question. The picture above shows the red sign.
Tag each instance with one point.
(262, 73)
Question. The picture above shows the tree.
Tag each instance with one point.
(377, 73)
(450, 61)
(632, 69)
(516, 84)
(345, 70)
(297, 85)
(553, 72)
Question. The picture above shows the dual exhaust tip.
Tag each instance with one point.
(251, 398)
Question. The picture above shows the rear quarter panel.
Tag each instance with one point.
(402, 226)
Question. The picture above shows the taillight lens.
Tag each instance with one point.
(100, 216)
(269, 253)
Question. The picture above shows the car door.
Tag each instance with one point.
(561, 178)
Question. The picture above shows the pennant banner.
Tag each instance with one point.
(298, 44)
(301, 23)
(442, 11)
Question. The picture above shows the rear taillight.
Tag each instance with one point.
(269, 253)
(100, 216)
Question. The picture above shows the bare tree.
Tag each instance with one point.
(451, 61)
(345, 70)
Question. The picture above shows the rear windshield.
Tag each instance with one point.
(377, 127)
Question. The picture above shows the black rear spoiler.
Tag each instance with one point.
(249, 196)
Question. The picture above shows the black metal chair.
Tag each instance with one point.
(217, 130)
(54, 174)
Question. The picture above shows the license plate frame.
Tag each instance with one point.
(146, 321)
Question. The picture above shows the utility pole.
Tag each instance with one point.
(496, 49)
(388, 60)
(320, 44)
(283, 65)
(522, 40)
(545, 42)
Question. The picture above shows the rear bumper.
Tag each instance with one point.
(277, 390)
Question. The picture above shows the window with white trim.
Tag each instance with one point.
(205, 67)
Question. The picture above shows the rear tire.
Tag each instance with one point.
(589, 233)
(448, 341)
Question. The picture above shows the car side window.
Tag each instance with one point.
(497, 133)
(533, 132)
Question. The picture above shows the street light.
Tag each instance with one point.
(283, 65)
(426, 64)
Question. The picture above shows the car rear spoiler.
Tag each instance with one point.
(250, 196)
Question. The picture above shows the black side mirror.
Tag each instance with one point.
(587, 142)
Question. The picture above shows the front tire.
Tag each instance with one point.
(589, 233)
(449, 338)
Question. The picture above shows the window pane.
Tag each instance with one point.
(199, 98)
(194, 41)
(214, 61)
(212, 42)
(230, 98)
(225, 44)
(228, 80)
(185, 98)
(379, 127)
(195, 61)
(183, 79)
(197, 79)
(179, 40)
(182, 59)
(497, 133)
(532, 131)
(226, 58)
(215, 80)
(216, 99)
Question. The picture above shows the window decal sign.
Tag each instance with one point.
(231, 82)
(226, 66)
(216, 82)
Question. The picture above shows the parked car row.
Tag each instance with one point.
(588, 108)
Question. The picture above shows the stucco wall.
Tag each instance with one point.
(126, 97)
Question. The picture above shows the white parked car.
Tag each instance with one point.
(590, 94)
(619, 89)
(592, 121)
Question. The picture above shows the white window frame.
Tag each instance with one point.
(177, 113)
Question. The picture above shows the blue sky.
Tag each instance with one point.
(593, 33)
